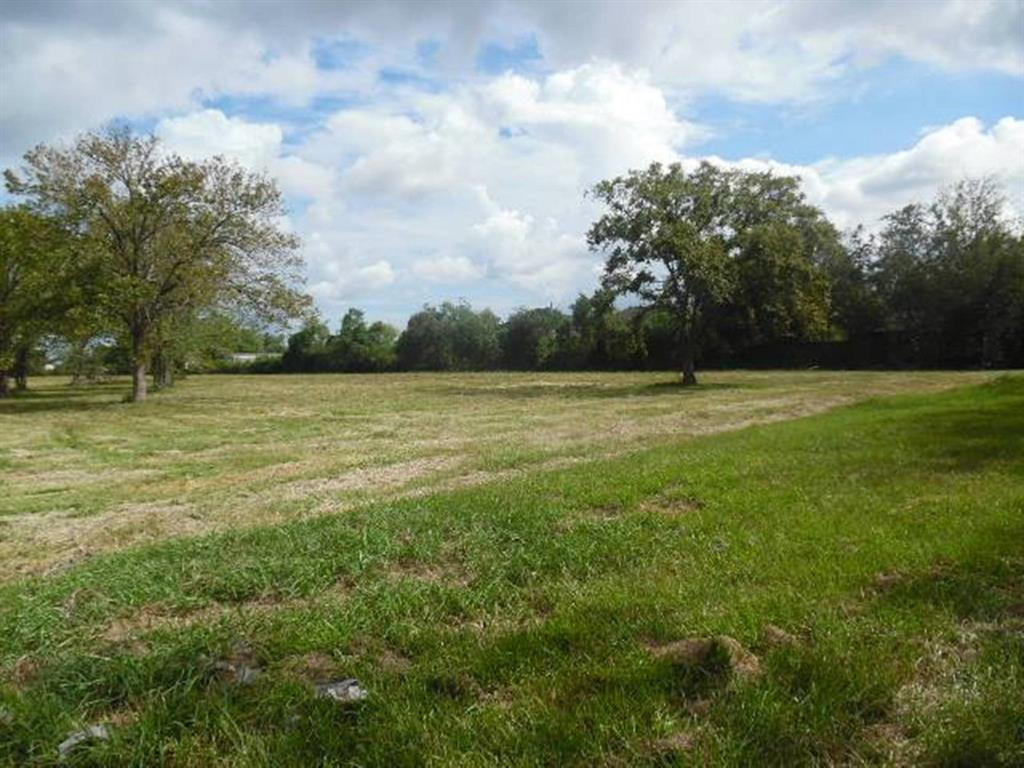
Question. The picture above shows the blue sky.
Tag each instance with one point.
(433, 151)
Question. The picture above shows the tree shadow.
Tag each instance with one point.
(991, 429)
(582, 391)
(987, 585)
(64, 398)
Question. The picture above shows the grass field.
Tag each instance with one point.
(508, 564)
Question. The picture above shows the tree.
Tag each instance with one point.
(362, 348)
(450, 337)
(950, 276)
(172, 236)
(305, 344)
(686, 242)
(856, 308)
(33, 289)
(530, 338)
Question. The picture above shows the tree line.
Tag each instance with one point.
(121, 256)
(732, 267)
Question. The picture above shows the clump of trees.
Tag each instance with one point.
(136, 245)
(356, 348)
(945, 279)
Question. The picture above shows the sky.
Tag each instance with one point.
(442, 150)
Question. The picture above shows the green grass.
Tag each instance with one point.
(508, 619)
(84, 473)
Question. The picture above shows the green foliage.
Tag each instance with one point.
(357, 347)
(712, 243)
(37, 289)
(530, 339)
(450, 337)
(171, 237)
(950, 278)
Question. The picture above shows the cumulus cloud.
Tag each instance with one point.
(257, 146)
(71, 65)
(862, 189)
(447, 176)
(447, 269)
(484, 185)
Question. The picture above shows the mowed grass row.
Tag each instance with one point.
(82, 473)
(513, 623)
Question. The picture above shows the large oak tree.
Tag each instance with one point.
(172, 237)
(714, 241)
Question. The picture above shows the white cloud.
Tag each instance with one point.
(257, 146)
(211, 132)
(481, 179)
(536, 255)
(431, 192)
(69, 66)
(447, 269)
(862, 189)
(357, 281)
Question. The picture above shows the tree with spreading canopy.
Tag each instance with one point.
(715, 241)
(172, 237)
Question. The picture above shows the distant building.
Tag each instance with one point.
(251, 357)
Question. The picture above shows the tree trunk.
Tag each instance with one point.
(21, 369)
(138, 363)
(689, 378)
(4, 390)
(139, 381)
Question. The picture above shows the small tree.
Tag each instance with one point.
(171, 236)
(694, 243)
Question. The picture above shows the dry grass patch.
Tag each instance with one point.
(193, 448)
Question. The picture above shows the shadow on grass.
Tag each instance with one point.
(583, 391)
(987, 586)
(989, 429)
(64, 398)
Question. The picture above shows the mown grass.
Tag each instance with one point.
(83, 473)
(512, 623)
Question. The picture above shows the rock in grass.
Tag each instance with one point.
(240, 674)
(343, 691)
(92, 733)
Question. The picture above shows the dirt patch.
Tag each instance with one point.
(671, 507)
(24, 671)
(777, 637)
(156, 618)
(393, 662)
(311, 667)
(126, 630)
(446, 573)
(708, 652)
(888, 744)
(682, 741)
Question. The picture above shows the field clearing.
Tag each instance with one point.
(773, 569)
(83, 473)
